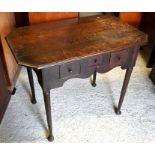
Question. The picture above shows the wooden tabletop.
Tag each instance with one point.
(44, 45)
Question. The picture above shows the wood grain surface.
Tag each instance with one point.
(43, 45)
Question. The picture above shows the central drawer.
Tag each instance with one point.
(83, 66)
(99, 60)
(69, 69)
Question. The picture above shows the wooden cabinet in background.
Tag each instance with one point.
(41, 17)
(8, 66)
(7, 23)
(4, 92)
(132, 18)
(148, 26)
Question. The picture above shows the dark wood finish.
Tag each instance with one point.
(124, 88)
(59, 51)
(47, 101)
(33, 46)
(152, 57)
(118, 58)
(4, 93)
(94, 78)
(69, 69)
(147, 26)
(42, 17)
(30, 76)
(134, 53)
(21, 19)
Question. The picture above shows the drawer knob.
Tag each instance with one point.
(95, 60)
(118, 58)
(70, 70)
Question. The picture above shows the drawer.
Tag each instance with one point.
(69, 69)
(118, 58)
(98, 60)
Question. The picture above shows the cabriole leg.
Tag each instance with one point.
(123, 91)
(30, 76)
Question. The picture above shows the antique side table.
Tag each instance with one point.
(61, 50)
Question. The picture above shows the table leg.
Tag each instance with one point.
(48, 113)
(30, 76)
(151, 58)
(94, 79)
(123, 91)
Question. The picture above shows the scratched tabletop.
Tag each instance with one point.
(47, 44)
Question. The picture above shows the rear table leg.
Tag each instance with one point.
(94, 79)
(30, 76)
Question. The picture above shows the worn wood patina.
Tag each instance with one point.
(43, 45)
(61, 50)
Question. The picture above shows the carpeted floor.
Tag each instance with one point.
(82, 113)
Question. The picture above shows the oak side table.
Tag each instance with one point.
(75, 48)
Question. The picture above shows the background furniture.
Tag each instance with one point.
(148, 26)
(145, 22)
(4, 93)
(11, 68)
(133, 18)
(42, 17)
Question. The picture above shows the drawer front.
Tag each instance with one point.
(69, 69)
(118, 59)
(98, 60)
